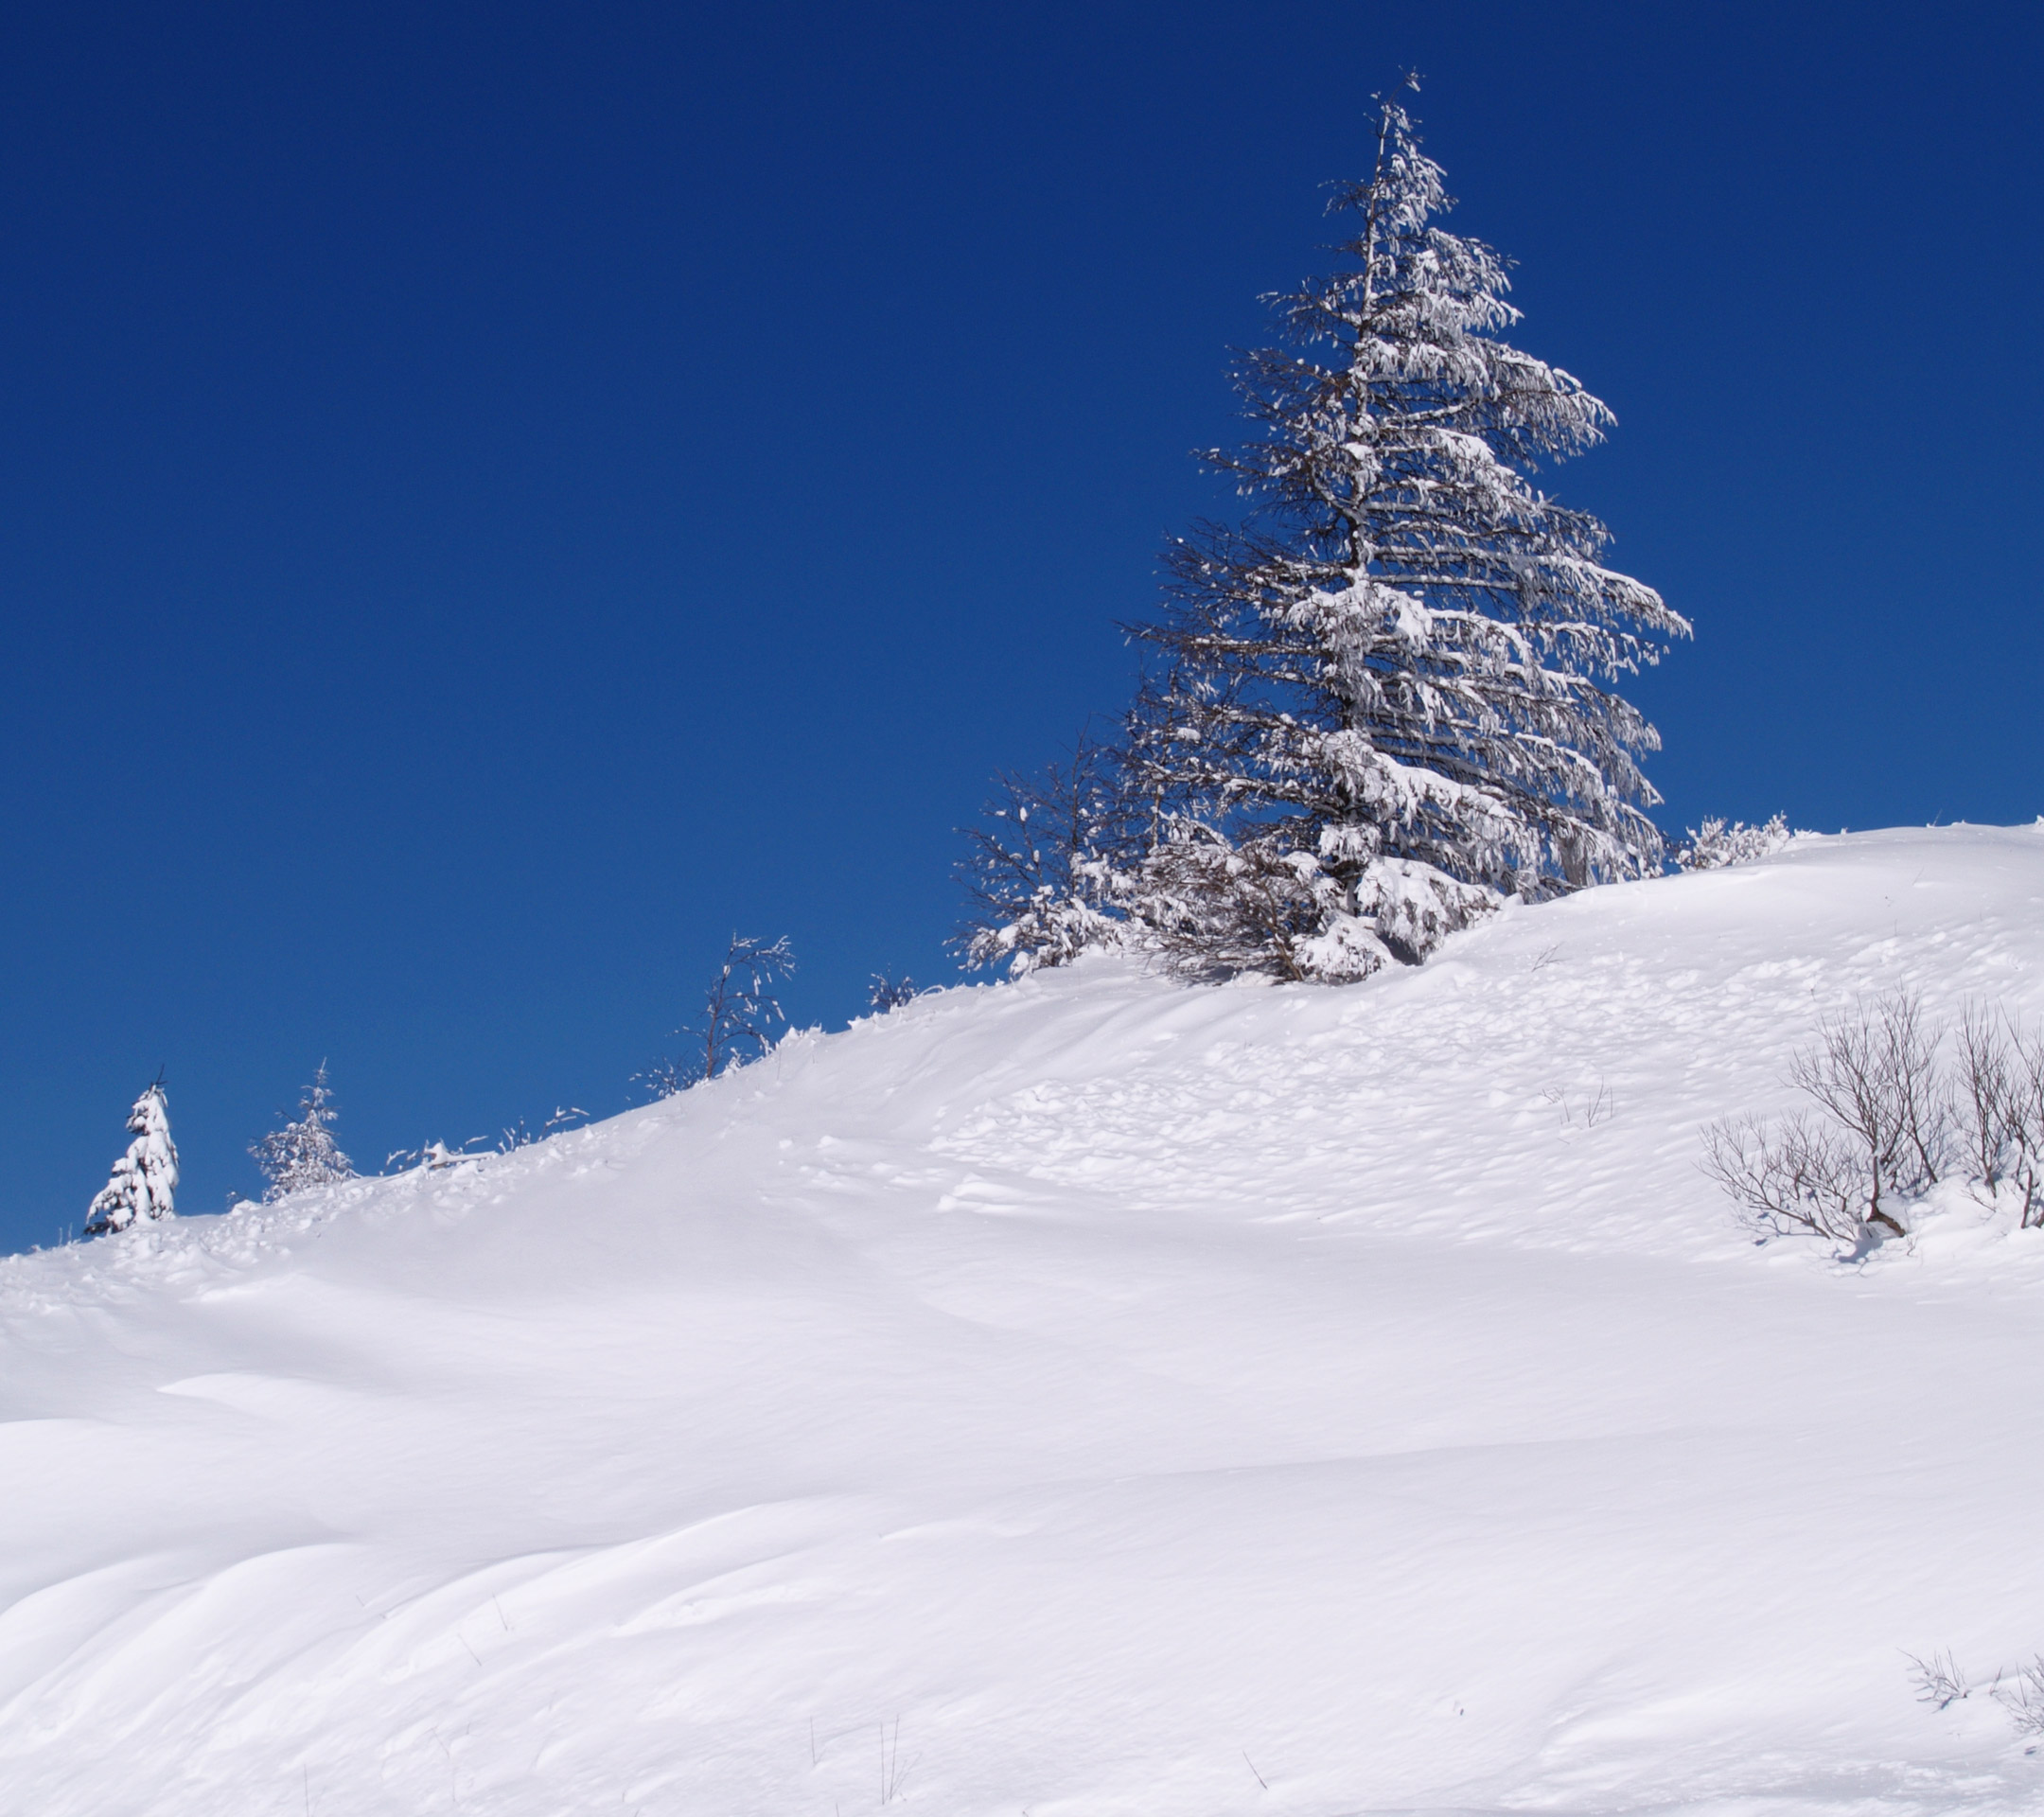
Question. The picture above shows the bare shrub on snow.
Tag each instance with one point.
(2022, 1697)
(1883, 1134)
(1714, 845)
(1999, 1103)
(1795, 1174)
(1940, 1682)
(1891, 1120)
(1875, 1075)
(1938, 1679)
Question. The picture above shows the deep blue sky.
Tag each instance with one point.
(492, 498)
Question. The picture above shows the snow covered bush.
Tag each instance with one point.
(1047, 870)
(144, 1181)
(740, 1015)
(885, 993)
(1890, 1121)
(1714, 845)
(1389, 692)
(303, 1152)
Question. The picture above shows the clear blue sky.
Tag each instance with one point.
(492, 498)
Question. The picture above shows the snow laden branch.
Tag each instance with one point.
(740, 1017)
(1714, 845)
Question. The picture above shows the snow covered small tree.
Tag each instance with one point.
(1051, 859)
(304, 1153)
(144, 1181)
(740, 1014)
(1385, 700)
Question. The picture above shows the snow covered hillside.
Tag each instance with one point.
(1087, 1396)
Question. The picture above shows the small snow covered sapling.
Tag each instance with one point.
(144, 1180)
(513, 1137)
(1048, 867)
(885, 994)
(303, 1152)
(739, 1019)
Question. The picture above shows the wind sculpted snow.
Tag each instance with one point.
(1086, 1396)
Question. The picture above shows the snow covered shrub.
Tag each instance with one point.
(1045, 870)
(144, 1180)
(304, 1153)
(888, 994)
(1713, 844)
(740, 1014)
(1388, 692)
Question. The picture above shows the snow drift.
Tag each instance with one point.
(1090, 1395)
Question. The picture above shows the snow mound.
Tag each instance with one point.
(1084, 1396)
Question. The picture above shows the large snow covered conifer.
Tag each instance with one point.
(1385, 699)
(304, 1153)
(144, 1181)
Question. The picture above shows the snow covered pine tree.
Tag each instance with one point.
(144, 1181)
(304, 1154)
(1381, 699)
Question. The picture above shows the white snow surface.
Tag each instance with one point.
(1089, 1394)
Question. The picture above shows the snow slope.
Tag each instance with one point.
(1086, 1396)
